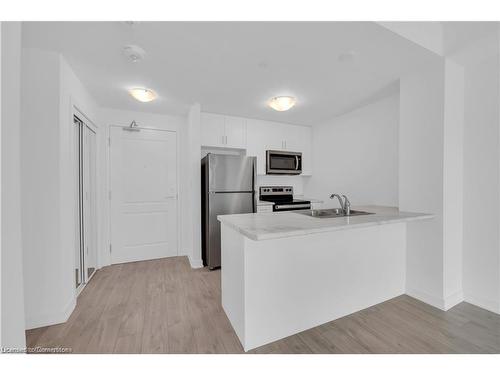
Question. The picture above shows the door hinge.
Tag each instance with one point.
(109, 141)
(110, 248)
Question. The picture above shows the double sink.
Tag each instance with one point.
(332, 212)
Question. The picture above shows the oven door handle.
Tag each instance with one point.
(296, 162)
(278, 207)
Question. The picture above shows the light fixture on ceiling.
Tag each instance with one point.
(282, 103)
(143, 95)
(134, 53)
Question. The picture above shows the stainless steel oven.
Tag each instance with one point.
(283, 162)
(282, 197)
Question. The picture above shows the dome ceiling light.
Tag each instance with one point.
(143, 95)
(282, 103)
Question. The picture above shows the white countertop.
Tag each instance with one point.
(264, 226)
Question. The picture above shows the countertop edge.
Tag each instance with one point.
(295, 233)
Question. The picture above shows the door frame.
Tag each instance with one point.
(108, 185)
(76, 112)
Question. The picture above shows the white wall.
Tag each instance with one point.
(46, 294)
(453, 136)
(426, 34)
(357, 154)
(50, 90)
(109, 117)
(481, 184)
(193, 144)
(12, 302)
(421, 179)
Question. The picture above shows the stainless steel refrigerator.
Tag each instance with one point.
(227, 187)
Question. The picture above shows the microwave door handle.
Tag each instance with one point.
(296, 162)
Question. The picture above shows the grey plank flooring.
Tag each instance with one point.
(164, 306)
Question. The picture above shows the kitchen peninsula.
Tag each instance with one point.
(286, 272)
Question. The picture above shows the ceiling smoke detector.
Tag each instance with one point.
(134, 53)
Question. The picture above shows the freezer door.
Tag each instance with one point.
(223, 204)
(231, 173)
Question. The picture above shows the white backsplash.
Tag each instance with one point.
(296, 181)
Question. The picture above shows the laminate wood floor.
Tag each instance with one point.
(164, 306)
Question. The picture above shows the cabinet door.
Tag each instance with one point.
(235, 131)
(212, 130)
(298, 139)
(262, 136)
(292, 138)
(305, 141)
(255, 143)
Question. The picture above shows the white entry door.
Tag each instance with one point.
(143, 194)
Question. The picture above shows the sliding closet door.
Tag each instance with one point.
(89, 202)
(78, 209)
(85, 142)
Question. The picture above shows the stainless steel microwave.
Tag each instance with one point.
(283, 162)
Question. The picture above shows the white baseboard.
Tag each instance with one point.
(195, 263)
(453, 299)
(427, 298)
(51, 318)
(438, 302)
(487, 304)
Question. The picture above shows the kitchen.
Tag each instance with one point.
(213, 211)
(269, 243)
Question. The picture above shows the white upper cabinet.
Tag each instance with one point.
(236, 132)
(256, 136)
(267, 135)
(212, 130)
(222, 131)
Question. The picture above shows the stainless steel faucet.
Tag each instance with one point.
(333, 196)
(344, 205)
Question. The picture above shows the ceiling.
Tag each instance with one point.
(234, 67)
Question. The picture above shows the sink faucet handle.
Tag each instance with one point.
(346, 200)
(347, 204)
